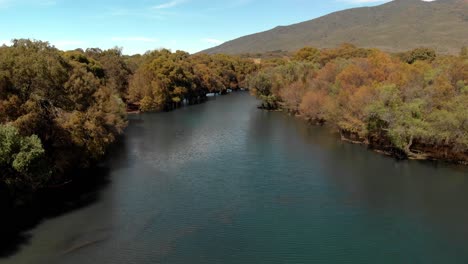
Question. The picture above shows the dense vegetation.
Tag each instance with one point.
(395, 26)
(165, 80)
(59, 111)
(412, 104)
(56, 110)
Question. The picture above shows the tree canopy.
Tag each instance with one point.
(59, 111)
(413, 104)
(56, 109)
(165, 79)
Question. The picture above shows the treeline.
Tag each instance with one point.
(412, 105)
(166, 80)
(59, 111)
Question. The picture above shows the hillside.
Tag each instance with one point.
(395, 26)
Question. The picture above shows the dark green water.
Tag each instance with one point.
(223, 182)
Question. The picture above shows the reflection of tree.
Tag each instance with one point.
(417, 192)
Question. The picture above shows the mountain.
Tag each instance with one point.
(399, 25)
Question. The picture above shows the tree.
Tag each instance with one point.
(164, 79)
(292, 95)
(414, 106)
(59, 110)
(344, 51)
(21, 158)
(116, 71)
(308, 54)
(422, 54)
(314, 106)
(464, 52)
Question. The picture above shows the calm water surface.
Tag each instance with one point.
(223, 182)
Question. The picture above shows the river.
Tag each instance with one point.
(224, 182)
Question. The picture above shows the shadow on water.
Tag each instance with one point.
(426, 191)
(16, 223)
(84, 190)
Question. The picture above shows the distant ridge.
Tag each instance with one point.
(399, 25)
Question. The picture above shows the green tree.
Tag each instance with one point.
(21, 158)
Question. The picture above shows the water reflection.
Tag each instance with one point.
(16, 223)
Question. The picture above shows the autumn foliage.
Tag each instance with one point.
(411, 106)
(165, 80)
(58, 111)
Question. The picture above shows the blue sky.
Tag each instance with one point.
(141, 25)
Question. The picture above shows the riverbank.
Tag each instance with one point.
(189, 187)
(381, 144)
(418, 151)
(22, 199)
(408, 109)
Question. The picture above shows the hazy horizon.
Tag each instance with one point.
(189, 25)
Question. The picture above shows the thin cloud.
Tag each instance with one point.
(366, 1)
(213, 41)
(230, 5)
(135, 39)
(48, 3)
(124, 12)
(170, 4)
(67, 44)
(5, 3)
(9, 3)
(375, 1)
